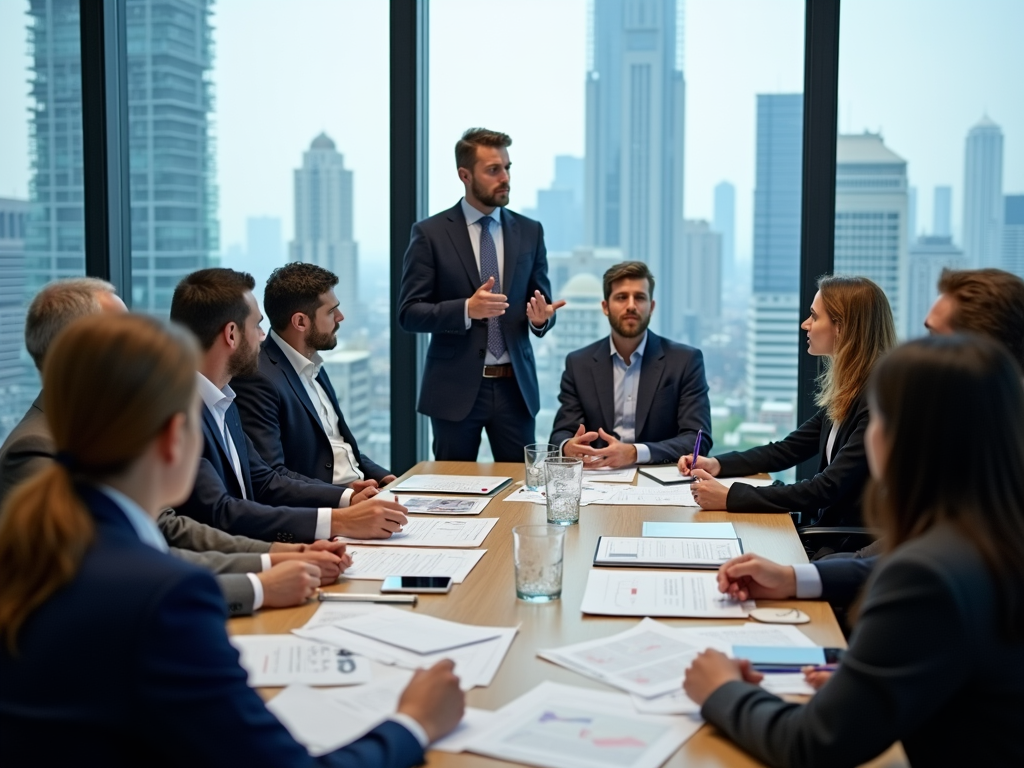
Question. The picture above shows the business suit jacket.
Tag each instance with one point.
(108, 662)
(842, 579)
(30, 446)
(284, 426)
(832, 496)
(926, 666)
(672, 397)
(278, 505)
(438, 275)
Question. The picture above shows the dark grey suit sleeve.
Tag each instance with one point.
(184, 532)
(539, 281)
(418, 312)
(238, 593)
(220, 563)
(693, 413)
(842, 579)
(570, 411)
(910, 653)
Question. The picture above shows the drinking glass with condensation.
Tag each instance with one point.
(538, 551)
(535, 456)
(563, 486)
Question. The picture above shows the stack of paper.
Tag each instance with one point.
(434, 532)
(659, 593)
(437, 505)
(471, 485)
(377, 563)
(591, 493)
(273, 660)
(623, 475)
(668, 552)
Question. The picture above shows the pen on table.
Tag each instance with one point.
(696, 449)
(793, 668)
(352, 597)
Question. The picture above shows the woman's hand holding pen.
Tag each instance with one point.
(708, 464)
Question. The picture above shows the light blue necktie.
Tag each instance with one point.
(489, 268)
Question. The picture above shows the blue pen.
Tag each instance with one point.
(696, 450)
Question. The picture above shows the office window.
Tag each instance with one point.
(667, 131)
(259, 135)
(41, 227)
(930, 155)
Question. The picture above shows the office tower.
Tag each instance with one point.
(560, 207)
(1013, 235)
(349, 371)
(942, 212)
(264, 249)
(871, 218)
(323, 220)
(912, 215)
(703, 281)
(635, 108)
(724, 222)
(774, 318)
(983, 194)
(928, 257)
(13, 364)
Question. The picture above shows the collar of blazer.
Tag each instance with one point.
(277, 358)
(652, 367)
(458, 232)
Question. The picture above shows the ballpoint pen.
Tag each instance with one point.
(696, 450)
(353, 597)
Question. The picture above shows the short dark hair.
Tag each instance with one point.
(627, 270)
(465, 148)
(989, 302)
(295, 287)
(207, 300)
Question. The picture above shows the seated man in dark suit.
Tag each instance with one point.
(632, 398)
(235, 489)
(288, 407)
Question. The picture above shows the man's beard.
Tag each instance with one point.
(245, 360)
(321, 342)
(626, 332)
(488, 199)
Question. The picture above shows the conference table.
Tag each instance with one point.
(487, 597)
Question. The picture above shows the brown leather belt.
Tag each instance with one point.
(498, 371)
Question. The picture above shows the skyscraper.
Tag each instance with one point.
(912, 226)
(264, 249)
(774, 305)
(725, 224)
(983, 194)
(560, 207)
(1013, 235)
(928, 257)
(13, 221)
(942, 212)
(635, 107)
(871, 218)
(323, 220)
(703, 279)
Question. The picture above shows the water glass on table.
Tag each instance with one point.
(538, 551)
(563, 486)
(536, 454)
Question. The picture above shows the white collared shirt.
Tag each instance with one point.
(626, 379)
(346, 463)
(473, 217)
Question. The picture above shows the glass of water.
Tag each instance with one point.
(538, 551)
(536, 455)
(564, 483)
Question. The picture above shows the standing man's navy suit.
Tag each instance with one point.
(439, 274)
(282, 423)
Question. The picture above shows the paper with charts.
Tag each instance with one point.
(590, 493)
(377, 563)
(438, 505)
(434, 532)
(622, 475)
(472, 485)
(273, 660)
(653, 496)
(612, 592)
(560, 726)
(669, 552)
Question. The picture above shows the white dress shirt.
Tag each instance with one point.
(627, 386)
(346, 463)
(473, 217)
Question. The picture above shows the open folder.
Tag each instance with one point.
(665, 553)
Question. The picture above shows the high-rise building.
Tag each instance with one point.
(1013, 235)
(703, 280)
(560, 207)
(264, 249)
(912, 230)
(635, 115)
(871, 218)
(942, 212)
(13, 363)
(983, 194)
(349, 371)
(324, 233)
(774, 305)
(928, 257)
(724, 222)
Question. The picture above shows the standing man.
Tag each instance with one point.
(476, 278)
(633, 397)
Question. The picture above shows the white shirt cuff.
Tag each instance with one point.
(346, 497)
(323, 523)
(257, 591)
(643, 453)
(413, 727)
(808, 581)
(468, 321)
(265, 561)
(561, 446)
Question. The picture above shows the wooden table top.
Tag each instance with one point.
(487, 597)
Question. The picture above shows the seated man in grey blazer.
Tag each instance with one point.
(633, 397)
(251, 573)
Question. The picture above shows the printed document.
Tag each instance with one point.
(676, 553)
(654, 495)
(434, 532)
(590, 493)
(472, 485)
(377, 563)
(273, 660)
(437, 505)
(614, 592)
(622, 475)
(417, 632)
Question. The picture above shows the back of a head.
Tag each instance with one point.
(111, 383)
(57, 305)
(989, 302)
(207, 300)
(951, 409)
(295, 287)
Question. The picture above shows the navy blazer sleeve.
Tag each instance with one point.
(281, 487)
(259, 408)
(842, 579)
(418, 312)
(189, 675)
(570, 411)
(693, 413)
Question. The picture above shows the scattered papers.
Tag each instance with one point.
(565, 727)
(417, 632)
(591, 493)
(689, 530)
(439, 505)
(435, 532)
(668, 474)
(273, 660)
(622, 475)
(462, 484)
(656, 496)
(377, 563)
(674, 553)
(475, 723)
(789, 683)
(659, 593)
(757, 482)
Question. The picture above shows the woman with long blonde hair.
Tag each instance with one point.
(851, 327)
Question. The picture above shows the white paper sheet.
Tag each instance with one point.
(273, 660)
(377, 563)
(328, 613)
(475, 723)
(438, 505)
(434, 532)
(616, 592)
(654, 495)
(591, 493)
(757, 482)
(789, 683)
(416, 632)
(565, 727)
(621, 475)
(661, 530)
(468, 484)
(681, 553)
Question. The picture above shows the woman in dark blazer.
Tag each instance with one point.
(113, 652)
(851, 326)
(936, 659)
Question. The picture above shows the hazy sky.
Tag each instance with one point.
(922, 72)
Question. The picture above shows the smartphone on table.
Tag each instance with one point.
(420, 584)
